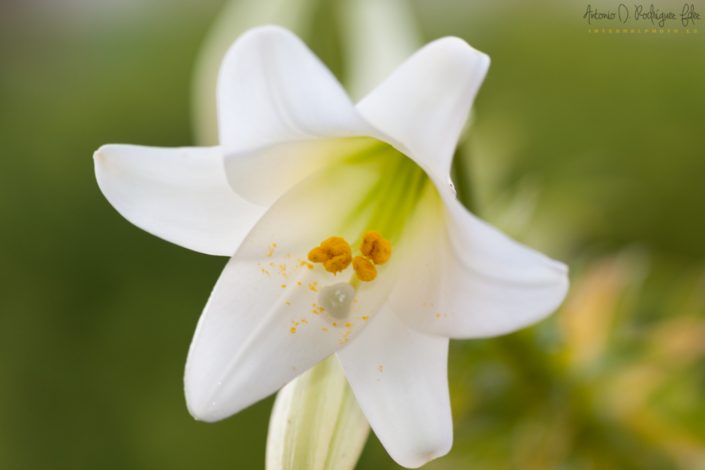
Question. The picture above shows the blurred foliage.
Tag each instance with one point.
(614, 380)
(586, 146)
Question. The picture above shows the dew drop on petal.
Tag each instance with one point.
(336, 299)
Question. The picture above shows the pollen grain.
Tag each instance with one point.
(334, 253)
(376, 247)
(364, 269)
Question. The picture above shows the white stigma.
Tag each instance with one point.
(336, 299)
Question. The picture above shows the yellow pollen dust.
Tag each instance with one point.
(334, 253)
(364, 269)
(375, 247)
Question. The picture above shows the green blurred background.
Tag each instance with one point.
(587, 146)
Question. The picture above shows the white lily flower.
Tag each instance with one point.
(298, 163)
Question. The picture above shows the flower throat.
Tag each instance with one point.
(387, 207)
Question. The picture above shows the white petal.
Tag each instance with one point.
(178, 194)
(316, 423)
(244, 347)
(272, 89)
(471, 280)
(425, 102)
(399, 377)
(265, 174)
